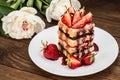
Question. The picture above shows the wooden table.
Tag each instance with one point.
(15, 63)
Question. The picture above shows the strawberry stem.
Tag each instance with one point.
(95, 53)
(68, 60)
(44, 44)
(92, 59)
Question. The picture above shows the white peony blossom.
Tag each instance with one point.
(58, 7)
(23, 23)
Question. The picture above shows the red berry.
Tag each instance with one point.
(85, 19)
(88, 17)
(89, 59)
(66, 19)
(70, 10)
(73, 62)
(79, 24)
(51, 51)
(76, 17)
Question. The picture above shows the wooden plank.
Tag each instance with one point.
(7, 73)
(13, 57)
(106, 15)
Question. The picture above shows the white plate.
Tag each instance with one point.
(108, 52)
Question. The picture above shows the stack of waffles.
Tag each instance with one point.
(76, 33)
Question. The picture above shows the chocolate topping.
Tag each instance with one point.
(78, 36)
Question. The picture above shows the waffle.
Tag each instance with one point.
(76, 41)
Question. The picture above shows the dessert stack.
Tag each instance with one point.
(76, 33)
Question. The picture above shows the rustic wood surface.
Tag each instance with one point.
(15, 63)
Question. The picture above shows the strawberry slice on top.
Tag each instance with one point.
(71, 10)
(76, 17)
(66, 19)
(85, 19)
(88, 17)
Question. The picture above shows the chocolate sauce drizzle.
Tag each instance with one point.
(62, 48)
(78, 36)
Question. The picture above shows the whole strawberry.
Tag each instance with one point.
(50, 51)
(89, 59)
(73, 62)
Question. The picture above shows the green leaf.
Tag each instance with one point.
(30, 3)
(38, 4)
(4, 10)
(1, 30)
(16, 4)
(43, 12)
(45, 7)
(9, 1)
(23, 1)
(49, 1)
(2, 2)
(1, 16)
(45, 2)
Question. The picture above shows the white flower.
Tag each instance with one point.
(23, 23)
(58, 7)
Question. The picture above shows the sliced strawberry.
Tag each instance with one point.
(79, 24)
(70, 10)
(73, 62)
(66, 19)
(76, 17)
(88, 17)
(89, 59)
(85, 19)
